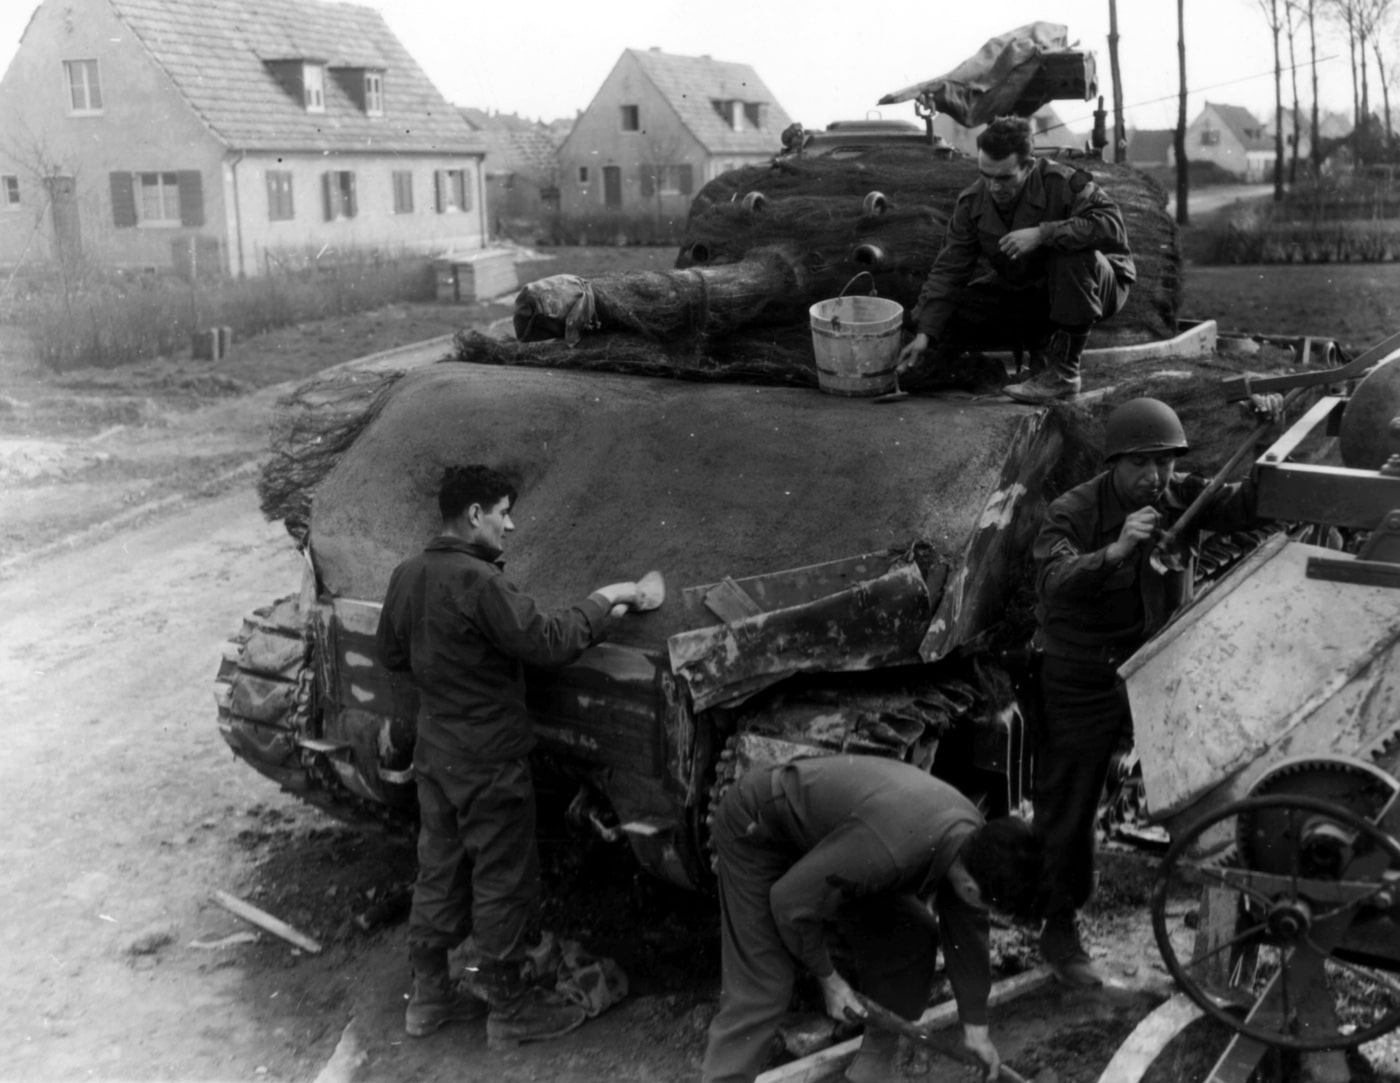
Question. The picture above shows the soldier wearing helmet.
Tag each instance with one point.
(1099, 597)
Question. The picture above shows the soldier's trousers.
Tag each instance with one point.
(478, 865)
(894, 938)
(1084, 717)
(1077, 289)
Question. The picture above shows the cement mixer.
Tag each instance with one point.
(1267, 721)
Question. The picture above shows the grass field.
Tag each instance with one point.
(1355, 304)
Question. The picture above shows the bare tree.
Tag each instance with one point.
(1315, 144)
(1270, 11)
(1183, 186)
(1376, 18)
(1344, 11)
(1289, 9)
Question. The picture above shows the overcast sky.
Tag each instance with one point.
(826, 59)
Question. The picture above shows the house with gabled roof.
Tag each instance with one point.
(1232, 138)
(659, 127)
(229, 135)
(522, 171)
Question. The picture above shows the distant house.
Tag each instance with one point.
(1232, 138)
(1332, 127)
(226, 135)
(1151, 148)
(522, 172)
(659, 127)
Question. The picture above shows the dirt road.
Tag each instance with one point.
(120, 810)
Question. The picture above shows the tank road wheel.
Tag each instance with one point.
(264, 691)
(1305, 956)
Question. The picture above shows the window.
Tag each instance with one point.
(1210, 137)
(453, 191)
(313, 84)
(631, 118)
(159, 199)
(403, 191)
(583, 174)
(338, 194)
(738, 115)
(84, 89)
(279, 196)
(374, 95)
(667, 180)
(10, 197)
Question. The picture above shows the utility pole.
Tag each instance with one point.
(1120, 134)
(1183, 187)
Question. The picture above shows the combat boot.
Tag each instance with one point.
(522, 1011)
(1062, 949)
(1060, 377)
(875, 1061)
(434, 1001)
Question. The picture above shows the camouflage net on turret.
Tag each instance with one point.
(312, 426)
(764, 243)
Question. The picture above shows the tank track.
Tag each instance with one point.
(268, 713)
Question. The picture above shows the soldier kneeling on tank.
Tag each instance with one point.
(1034, 250)
(452, 619)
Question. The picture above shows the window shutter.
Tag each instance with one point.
(351, 202)
(687, 179)
(648, 181)
(467, 185)
(123, 200)
(439, 196)
(191, 197)
(328, 196)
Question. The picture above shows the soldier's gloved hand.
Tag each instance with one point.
(840, 998)
(912, 352)
(1265, 407)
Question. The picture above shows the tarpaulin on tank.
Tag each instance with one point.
(997, 79)
(621, 474)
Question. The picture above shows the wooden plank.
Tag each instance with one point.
(1149, 1038)
(829, 1062)
(250, 913)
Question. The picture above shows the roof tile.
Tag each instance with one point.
(215, 52)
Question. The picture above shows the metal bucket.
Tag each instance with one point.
(856, 342)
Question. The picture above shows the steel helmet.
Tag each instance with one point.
(1143, 425)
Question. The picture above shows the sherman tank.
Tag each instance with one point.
(842, 576)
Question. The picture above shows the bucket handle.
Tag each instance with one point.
(852, 282)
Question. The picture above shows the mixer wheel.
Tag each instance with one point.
(1292, 952)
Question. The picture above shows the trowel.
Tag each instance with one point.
(892, 396)
(878, 1015)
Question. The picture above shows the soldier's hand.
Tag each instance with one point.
(1265, 407)
(979, 1042)
(1137, 528)
(1020, 243)
(841, 1000)
(909, 356)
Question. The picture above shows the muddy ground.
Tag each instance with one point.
(130, 544)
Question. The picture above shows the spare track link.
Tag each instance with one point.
(266, 696)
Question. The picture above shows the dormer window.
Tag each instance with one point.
(741, 116)
(313, 86)
(374, 94)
